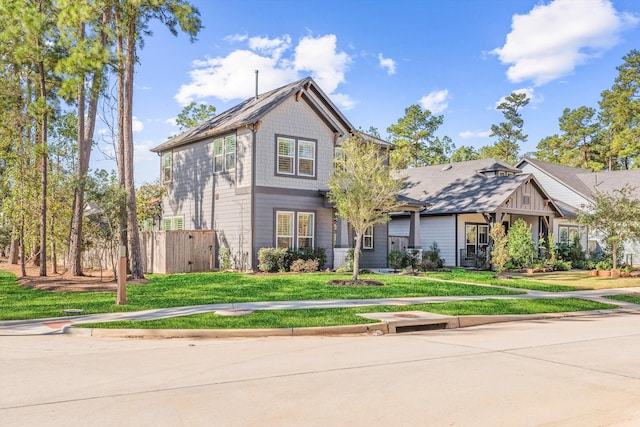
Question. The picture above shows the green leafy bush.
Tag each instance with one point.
(431, 258)
(224, 256)
(272, 260)
(304, 266)
(398, 260)
(520, 243)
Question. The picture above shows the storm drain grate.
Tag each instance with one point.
(416, 328)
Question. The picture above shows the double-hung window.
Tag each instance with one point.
(224, 154)
(295, 230)
(367, 238)
(167, 166)
(295, 157)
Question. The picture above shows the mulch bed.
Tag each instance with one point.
(359, 282)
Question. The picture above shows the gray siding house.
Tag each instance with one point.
(257, 174)
(573, 190)
(464, 199)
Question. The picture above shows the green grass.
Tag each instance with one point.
(177, 290)
(487, 277)
(347, 316)
(632, 298)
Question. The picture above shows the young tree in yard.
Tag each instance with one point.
(520, 244)
(616, 216)
(499, 250)
(509, 132)
(362, 189)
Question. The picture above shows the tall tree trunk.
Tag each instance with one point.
(122, 219)
(75, 233)
(85, 138)
(135, 253)
(43, 165)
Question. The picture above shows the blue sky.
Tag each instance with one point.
(457, 58)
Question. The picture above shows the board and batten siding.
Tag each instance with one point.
(296, 119)
(269, 201)
(378, 256)
(554, 188)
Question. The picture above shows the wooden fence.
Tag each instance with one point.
(179, 251)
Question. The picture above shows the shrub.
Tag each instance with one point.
(272, 260)
(398, 260)
(224, 256)
(520, 244)
(304, 266)
(604, 265)
(500, 252)
(307, 254)
(560, 265)
(431, 258)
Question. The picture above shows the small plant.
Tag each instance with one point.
(224, 256)
(604, 265)
(560, 265)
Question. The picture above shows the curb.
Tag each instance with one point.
(363, 329)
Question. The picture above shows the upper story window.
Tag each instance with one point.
(295, 157)
(224, 154)
(167, 166)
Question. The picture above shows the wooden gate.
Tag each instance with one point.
(398, 243)
(178, 251)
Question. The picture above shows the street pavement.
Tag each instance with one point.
(578, 371)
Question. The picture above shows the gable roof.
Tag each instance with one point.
(464, 188)
(586, 182)
(252, 110)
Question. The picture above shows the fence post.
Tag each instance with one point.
(121, 297)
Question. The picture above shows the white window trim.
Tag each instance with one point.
(295, 158)
(224, 154)
(295, 219)
(367, 234)
(165, 167)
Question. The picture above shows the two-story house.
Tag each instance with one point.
(257, 174)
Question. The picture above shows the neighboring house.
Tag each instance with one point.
(464, 199)
(573, 189)
(257, 174)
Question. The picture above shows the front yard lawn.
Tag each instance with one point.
(557, 281)
(178, 290)
(348, 316)
(632, 298)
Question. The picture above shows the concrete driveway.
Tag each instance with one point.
(582, 371)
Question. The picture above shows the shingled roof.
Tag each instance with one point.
(252, 110)
(464, 187)
(586, 182)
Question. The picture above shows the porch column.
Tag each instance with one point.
(342, 245)
(415, 242)
(342, 233)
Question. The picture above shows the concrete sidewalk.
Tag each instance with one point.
(62, 324)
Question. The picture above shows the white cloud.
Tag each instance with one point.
(171, 121)
(475, 134)
(138, 126)
(142, 151)
(387, 63)
(436, 101)
(278, 61)
(552, 39)
(534, 98)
